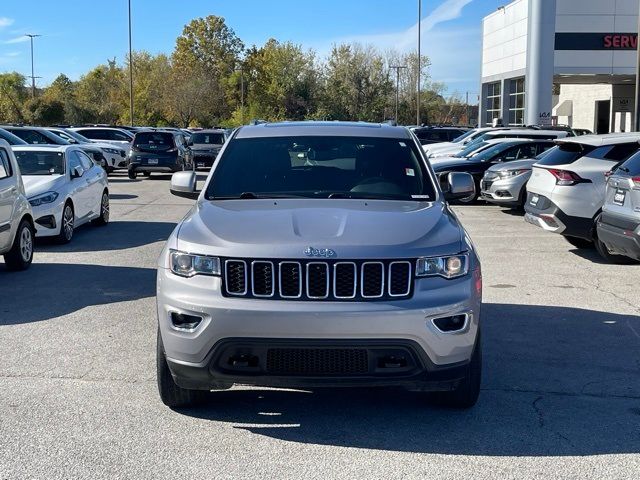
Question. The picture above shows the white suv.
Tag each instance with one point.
(567, 187)
(16, 219)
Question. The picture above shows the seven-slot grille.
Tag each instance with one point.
(337, 280)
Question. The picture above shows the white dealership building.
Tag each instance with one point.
(569, 62)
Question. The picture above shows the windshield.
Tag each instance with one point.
(464, 136)
(321, 167)
(491, 152)
(154, 141)
(207, 138)
(468, 150)
(40, 163)
(11, 138)
(70, 134)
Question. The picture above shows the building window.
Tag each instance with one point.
(516, 102)
(493, 102)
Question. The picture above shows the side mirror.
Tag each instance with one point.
(77, 172)
(461, 185)
(183, 184)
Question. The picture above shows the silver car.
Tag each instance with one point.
(618, 227)
(16, 220)
(505, 184)
(319, 254)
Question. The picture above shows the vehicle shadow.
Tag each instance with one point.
(557, 382)
(117, 235)
(62, 288)
(122, 196)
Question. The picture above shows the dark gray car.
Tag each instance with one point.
(618, 226)
(205, 145)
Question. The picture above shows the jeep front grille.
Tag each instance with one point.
(318, 280)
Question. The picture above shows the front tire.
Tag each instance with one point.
(21, 254)
(103, 219)
(170, 393)
(132, 174)
(466, 393)
(66, 224)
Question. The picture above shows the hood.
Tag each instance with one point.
(452, 150)
(527, 163)
(104, 145)
(442, 164)
(354, 229)
(436, 147)
(37, 184)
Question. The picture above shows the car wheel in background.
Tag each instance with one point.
(66, 224)
(132, 174)
(21, 254)
(612, 257)
(578, 242)
(103, 219)
(146, 174)
(170, 393)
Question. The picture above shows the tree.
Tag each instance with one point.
(206, 55)
(282, 80)
(357, 84)
(13, 95)
(103, 92)
(43, 111)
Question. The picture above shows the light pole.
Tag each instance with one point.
(419, 62)
(130, 70)
(397, 68)
(33, 77)
(636, 126)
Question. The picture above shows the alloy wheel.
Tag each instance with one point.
(104, 208)
(26, 244)
(67, 222)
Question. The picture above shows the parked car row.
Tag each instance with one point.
(585, 187)
(47, 191)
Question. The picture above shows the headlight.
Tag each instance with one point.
(112, 151)
(512, 173)
(189, 264)
(449, 267)
(47, 197)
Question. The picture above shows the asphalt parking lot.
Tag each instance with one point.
(561, 386)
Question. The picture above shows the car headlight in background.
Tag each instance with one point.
(512, 173)
(449, 267)
(112, 151)
(47, 197)
(189, 264)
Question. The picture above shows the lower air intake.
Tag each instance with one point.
(317, 361)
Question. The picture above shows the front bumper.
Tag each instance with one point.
(204, 357)
(620, 235)
(547, 215)
(507, 192)
(48, 218)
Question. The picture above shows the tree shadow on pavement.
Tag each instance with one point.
(557, 382)
(50, 290)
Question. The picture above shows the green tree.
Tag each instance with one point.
(13, 95)
(206, 55)
(357, 84)
(283, 81)
(103, 92)
(43, 111)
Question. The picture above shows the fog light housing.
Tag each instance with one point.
(184, 321)
(454, 323)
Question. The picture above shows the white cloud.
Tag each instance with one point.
(20, 39)
(12, 54)
(5, 22)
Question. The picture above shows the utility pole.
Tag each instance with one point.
(397, 68)
(467, 109)
(418, 122)
(636, 126)
(33, 77)
(130, 70)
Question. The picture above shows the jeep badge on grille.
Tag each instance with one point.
(319, 252)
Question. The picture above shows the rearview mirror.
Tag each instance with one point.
(461, 185)
(183, 184)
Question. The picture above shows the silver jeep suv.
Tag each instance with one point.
(16, 220)
(320, 254)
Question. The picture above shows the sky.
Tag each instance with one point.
(77, 35)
